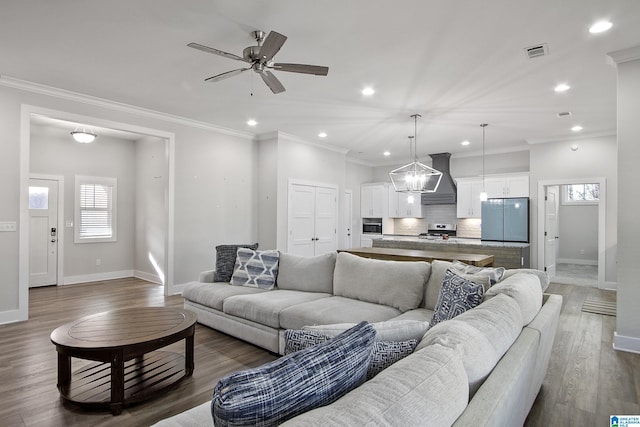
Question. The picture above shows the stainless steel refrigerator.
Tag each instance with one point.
(506, 220)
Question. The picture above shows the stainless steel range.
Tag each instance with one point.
(439, 231)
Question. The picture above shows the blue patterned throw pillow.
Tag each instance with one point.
(385, 353)
(456, 296)
(295, 383)
(256, 269)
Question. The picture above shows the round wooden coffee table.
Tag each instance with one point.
(125, 344)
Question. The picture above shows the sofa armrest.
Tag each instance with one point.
(206, 276)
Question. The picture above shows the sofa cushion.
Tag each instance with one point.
(419, 314)
(293, 384)
(392, 330)
(226, 260)
(256, 269)
(385, 353)
(398, 284)
(480, 336)
(309, 274)
(326, 311)
(541, 275)
(432, 292)
(429, 387)
(213, 294)
(456, 296)
(494, 274)
(265, 308)
(525, 289)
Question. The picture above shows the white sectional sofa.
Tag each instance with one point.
(482, 368)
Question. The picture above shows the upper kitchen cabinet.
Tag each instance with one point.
(499, 186)
(469, 205)
(374, 200)
(404, 205)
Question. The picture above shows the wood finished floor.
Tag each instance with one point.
(586, 382)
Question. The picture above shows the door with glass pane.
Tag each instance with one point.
(43, 232)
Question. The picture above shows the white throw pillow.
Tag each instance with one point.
(255, 269)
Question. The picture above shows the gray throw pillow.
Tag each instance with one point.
(295, 383)
(226, 260)
(494, 274)
(456, 296)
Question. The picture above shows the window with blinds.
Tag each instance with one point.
(95, 209)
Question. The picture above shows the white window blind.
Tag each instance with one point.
(95, 209)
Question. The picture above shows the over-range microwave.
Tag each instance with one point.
(371, 225)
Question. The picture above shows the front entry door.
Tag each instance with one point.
(551, 230)
(43, 232)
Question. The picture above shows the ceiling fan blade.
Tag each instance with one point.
(271, 45)
(302, 68)
(226, 75)
(216, 51)
(271, 81)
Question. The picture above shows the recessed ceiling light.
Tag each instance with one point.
(322, 134)
(562, 87)
(387, 153)
(465, 143)
(600, 27)
(251, 122)
(368, 91)
(576, 128)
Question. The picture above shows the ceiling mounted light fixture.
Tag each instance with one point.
(483, 195)
(83, 136)
(600, 27)
(415, 177)
(562, 87)
(368, 91)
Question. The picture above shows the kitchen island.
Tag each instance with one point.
(394, 254)
(505, 254)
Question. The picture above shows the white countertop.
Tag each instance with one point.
(454, 240)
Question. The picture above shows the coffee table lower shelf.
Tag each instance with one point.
(145, 376)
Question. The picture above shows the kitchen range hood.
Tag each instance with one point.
(446, 194)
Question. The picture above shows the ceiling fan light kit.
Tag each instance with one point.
(260, 58)
(415, 177)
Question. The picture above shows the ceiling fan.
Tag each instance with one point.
(261, 59)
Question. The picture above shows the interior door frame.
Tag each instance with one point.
(602, 224)
(60, 224)
(26, 112)
(349, 210)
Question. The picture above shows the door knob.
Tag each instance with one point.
(53, 240)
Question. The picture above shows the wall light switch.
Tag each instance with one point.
(68, 223)
(8, 226)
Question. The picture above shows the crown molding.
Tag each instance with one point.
(114, 105)
(576, 137)
(624, 55)
(269, 136)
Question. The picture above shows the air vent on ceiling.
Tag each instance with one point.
(537, 50)
(564, 114)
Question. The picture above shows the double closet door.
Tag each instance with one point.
(312, 220)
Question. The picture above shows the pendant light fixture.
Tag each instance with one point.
(415, 177)
(83, 136)
(483, 195)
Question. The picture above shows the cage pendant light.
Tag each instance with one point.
(415, 177)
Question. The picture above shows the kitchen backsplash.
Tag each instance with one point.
(442, 214)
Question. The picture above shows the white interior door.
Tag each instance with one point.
(348, 219)
(301, 220)
(551, 236)
(43, 232)
(325, 220)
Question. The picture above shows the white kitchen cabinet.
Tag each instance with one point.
(366, 242)
(469, 204)
(404, 205)
(374, 200)
(499, 186)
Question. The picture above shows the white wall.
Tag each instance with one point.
(578, 232)
(356, 174)
(628, 314)
(54, 152)
(214, 181)
(151, 172)
(596, 157)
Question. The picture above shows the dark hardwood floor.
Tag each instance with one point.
(586, 382)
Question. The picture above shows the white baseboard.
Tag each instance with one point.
(577, 261)
(622, 343)
(97, 277)
(177, 289)
(611, 286)
(153, 278)
(12, 316)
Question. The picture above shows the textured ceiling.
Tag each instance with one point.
(459, 63)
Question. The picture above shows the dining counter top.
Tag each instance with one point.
(454, 241)
(395, 254)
